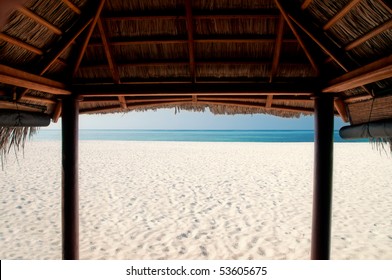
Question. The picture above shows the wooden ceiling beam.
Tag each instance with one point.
(16, 77)
(176, 89)
(306, 4)
(278, 47)
(72, 6)
(372, 33)
(21, 44)
(191, 44)
(108, 53)
(370, 73)
(299, 38)
(341, 108)
(86, 40)
(57, 112)
(341, 14)
(248, 39)
(40, 20)
(240, 14)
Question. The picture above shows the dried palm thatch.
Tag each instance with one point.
(13, 138)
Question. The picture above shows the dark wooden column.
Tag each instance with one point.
(323, 169)
(70, 187)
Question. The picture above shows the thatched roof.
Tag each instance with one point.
(237, 56)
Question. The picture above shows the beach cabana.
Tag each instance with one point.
(288, 58)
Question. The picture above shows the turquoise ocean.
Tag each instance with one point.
(190, 135)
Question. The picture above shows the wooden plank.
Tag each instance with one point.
(72, 6)
(86, 40)
(372, 33)
(306, 4)
(21, 44)
(341, 14)
(191, 44)
(12, 76)
(299, 38)
(278, 47)
(40, 20)
(370, 73)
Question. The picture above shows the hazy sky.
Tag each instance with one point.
(168, 119)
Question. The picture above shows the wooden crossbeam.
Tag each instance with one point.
(370, 73)
(341, 107)
(57, 112)
(278, 47)
(171, 40)
(341, 14)
(86, 40)
(40, 20)
(372, 33)
(240, 14)
(189, 89)
(296, 34)
(21, 44)
(306, 4)
(16, 77)
(72, 6)
(191, 44)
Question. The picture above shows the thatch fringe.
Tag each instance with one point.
(381, 143)
(13, 137)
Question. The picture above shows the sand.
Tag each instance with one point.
(183, 200)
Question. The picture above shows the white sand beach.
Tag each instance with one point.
(183, 200)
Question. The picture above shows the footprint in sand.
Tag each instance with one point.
(204, 251)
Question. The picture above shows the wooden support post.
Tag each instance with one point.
(323, 169)
(70, 195)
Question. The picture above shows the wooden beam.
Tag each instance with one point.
(278, 47)
(39, 100)
(370, 73)
(372, 33)
(57, 112)
(123, 102)
(357, 98)
(15, 77)
(299, 38)
(191, 44)
(240, 14)
(108, 53)
(341, 107)
(86, 40)
(341, 14)
(171, 40)
(188, 89)
(72, 6)
(20, 44)
(268, 103)
(30, 14)
(306, 4)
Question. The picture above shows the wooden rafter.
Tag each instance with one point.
(72, 6)
(306, 4)
(86, 40)
(341, 14)
(278, 47)
(370, 73)
(39, 100)
(372, 33)
(299, 38)
(341, 107)
(16, 77)
(191, 44)
(40, 20)
(20, 44)
(57, 112)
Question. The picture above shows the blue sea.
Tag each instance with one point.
(190, 135)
